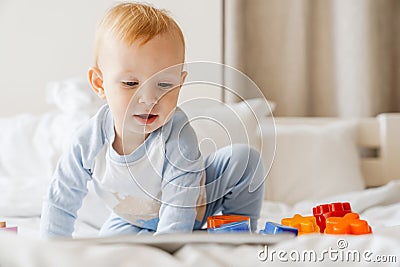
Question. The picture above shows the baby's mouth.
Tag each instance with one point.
(146, 118)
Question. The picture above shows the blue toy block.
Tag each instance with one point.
(276, 228)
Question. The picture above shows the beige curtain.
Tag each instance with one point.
(318, 57)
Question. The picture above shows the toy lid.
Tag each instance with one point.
(218, 220)
(233, 227)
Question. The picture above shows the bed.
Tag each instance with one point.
(317, 160)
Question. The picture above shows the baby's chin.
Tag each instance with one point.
(143, 129)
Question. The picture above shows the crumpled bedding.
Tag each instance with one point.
(379, 206)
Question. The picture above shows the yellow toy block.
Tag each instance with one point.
(305, 225)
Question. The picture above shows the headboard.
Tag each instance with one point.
(378, 139)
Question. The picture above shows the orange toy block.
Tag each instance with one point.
(348, 224)
(305, 225)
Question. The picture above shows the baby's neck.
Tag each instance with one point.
(129, 144)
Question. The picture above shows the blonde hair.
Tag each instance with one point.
(131, 21)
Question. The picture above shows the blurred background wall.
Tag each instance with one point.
(319, 58)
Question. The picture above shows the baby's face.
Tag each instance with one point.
(142, 82)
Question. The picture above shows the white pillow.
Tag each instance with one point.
(30, 147)
(22, 195)
(313, 162)
(218, 124)
(32, 144)
(73, 95)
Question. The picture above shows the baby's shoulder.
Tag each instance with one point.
(178, 124)
(179, 117)
(92, 134)
(180, 128)
(182, 135)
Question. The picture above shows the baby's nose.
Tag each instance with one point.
(149, 98)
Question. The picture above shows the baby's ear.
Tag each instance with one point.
(96, 81)
(183, 77)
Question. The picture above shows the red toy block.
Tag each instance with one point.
(348, 224)
(305, 225)
(322, 212)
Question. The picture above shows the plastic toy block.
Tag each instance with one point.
(218, 220)
(4, 228)
(321, 212)
(348, 224)
(276, 228)
(305, 225)
(233, 227)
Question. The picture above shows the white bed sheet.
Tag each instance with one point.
(379, 206)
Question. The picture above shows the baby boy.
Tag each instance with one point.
(139, 150)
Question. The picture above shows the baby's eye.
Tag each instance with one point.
(165, 85)
(130, 84)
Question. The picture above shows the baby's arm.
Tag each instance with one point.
(73, 171)
(183, 171)
(65, 195)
